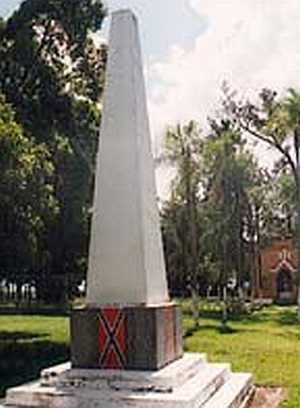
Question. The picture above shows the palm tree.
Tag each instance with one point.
(183, 150)
(230, 169)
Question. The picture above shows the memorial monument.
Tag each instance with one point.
(126, 342)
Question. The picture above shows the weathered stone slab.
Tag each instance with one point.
(235, 393)
(171, 376)
(186, 383)
(84, 338)
(189, 382)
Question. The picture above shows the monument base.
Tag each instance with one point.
(126, 337)
(189, 382)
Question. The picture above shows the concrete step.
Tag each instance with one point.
(193, 393)
(187, 383)
(171, 376)
(235, 393)
(200, 388)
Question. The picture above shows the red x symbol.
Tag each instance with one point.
(112, 342)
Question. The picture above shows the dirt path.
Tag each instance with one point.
(268, 397)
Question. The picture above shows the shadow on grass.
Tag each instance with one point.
(220, 329)
(52, 311)
(246, 318)
(226, 329)
(7, 336)
(21, 361)
(257, 320)
(256, 317)
(287, 317)
(190, 332)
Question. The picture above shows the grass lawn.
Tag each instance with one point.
(28, 344)
(267, 344)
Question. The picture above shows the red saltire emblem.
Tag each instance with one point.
(112, 342)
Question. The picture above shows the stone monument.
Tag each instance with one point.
(128, 318)
(126, 342)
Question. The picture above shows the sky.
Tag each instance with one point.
(191, 46)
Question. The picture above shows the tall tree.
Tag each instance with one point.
(230, 172)
(183, 148)
(52, 73)
(208, 223)
(27, 202)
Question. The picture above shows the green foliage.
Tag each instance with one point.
(208, 222)
(27, 194)
(281, 200)
(230, 171)
(48, 61)
(181, 220)
(52, 74)
(183, 147)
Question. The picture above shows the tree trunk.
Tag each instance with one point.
(253, 255)
(298, 240)
(298, 302)
(298, 257)
(195, 307)
(191, 222)
(224, 311)
(258, 253)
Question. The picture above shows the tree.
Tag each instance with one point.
(27, 197)
(52, 74)
(231, 173)
(276, 122)
(209, 223)
(183, 148)
(49, 64)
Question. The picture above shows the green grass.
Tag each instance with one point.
(266, 343)
(28, 344)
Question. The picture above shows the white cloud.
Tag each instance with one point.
(249, 43)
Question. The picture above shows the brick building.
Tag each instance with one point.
(278, 271)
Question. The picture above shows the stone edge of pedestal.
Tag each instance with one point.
(173, 375)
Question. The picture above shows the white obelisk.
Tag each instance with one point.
(126, 262)
(129, 356)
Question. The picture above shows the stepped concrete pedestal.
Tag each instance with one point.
(126, 343)
(190, 382)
